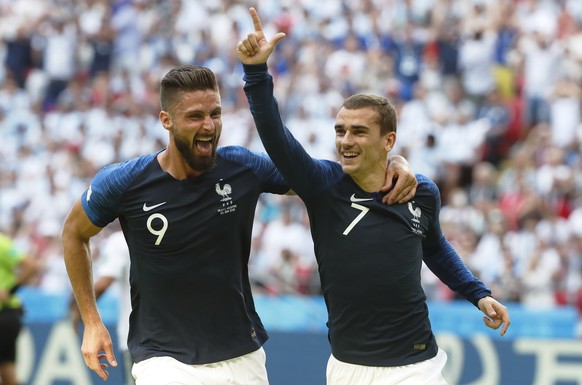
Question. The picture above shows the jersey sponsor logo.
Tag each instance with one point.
(228, 206)
(147, 208)
(354, 199)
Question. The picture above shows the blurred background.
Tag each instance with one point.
(488, 94)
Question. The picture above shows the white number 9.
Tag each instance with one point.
(159, 233)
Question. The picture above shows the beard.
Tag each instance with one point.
(197, 163)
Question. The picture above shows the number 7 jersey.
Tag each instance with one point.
(369, 254)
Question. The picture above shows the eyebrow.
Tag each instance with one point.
(357, 126)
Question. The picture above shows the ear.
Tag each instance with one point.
(390, 139)
(166, 120)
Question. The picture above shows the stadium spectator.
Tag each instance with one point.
(19, 57)
(59, 56)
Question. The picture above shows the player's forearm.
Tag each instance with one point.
(448, 266)
(79, 268)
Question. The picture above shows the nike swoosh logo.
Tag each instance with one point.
(354, 199)
(148, 208)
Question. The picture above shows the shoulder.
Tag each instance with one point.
(238, 152)
(259, 164)
(124, 172)
(425, 183)
(427, 188)
(244, 156)
(102, 198)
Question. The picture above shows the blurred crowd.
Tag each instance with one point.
(488, 94)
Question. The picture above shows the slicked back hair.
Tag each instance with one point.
(385, 109)
(183, 79)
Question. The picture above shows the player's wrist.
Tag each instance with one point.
(254, 68)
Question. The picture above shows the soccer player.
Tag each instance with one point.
(16, 269)
(186, 213)
(369, 254)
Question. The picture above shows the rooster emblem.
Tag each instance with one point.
(416, 212)
(223, 192)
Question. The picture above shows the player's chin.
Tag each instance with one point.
(348, 168)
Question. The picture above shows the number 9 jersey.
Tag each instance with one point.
(189, 242)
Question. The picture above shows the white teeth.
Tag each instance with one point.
(350, 154)
(204, 139)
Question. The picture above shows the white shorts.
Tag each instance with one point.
(249, 369)
(427, 372)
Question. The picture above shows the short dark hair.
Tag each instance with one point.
(380, 104)
(185, 78)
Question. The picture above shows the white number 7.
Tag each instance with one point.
(358, 218)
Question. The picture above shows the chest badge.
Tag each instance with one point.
(416, 214)
(223, 191)
(415, 211)
(228, 206)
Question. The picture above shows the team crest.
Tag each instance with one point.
(416, 214)
(224, 191)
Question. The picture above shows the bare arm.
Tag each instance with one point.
(100, 286)
(77, 231)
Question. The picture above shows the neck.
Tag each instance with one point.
(171, 162)
(371, 181)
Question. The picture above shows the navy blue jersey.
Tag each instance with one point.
(189, 242)
(369, 254)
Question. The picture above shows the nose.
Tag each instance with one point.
(208, 124)
(347, 139)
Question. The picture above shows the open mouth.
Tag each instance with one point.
(205, 145)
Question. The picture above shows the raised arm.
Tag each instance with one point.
(305, 175)
(296, 165)
(97, 344)
(256, 49)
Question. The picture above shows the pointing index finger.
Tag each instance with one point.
(256, 20)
